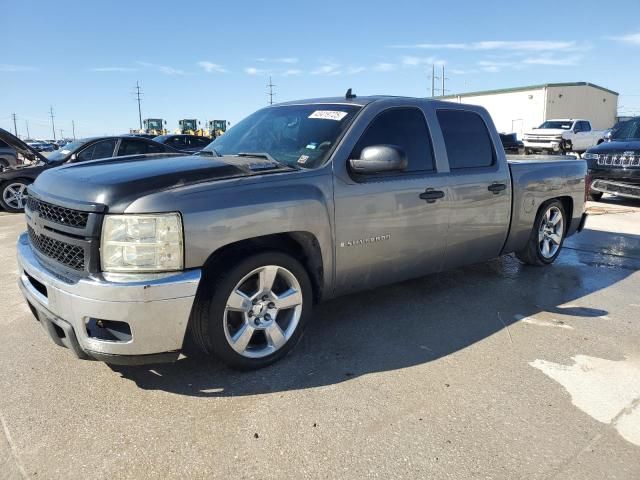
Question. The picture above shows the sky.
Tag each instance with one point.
(212, 60)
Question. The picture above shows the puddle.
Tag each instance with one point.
(606, 390)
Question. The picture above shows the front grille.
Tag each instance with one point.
(71, 256)
(618, 160)
(56, 214)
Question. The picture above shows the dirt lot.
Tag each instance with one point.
(491, 371)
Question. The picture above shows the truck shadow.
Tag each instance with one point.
(403, 325)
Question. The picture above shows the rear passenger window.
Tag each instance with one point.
(405, 128)
(466, 139)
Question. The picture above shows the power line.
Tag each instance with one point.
(139, 108)
(271, 93)
(53, 125)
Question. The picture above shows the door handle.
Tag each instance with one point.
(431, 195)
(496, 188)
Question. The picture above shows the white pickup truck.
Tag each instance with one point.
(563, 135)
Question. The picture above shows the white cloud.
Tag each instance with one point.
(291, 72)
(630, 38)
(327, 68)
(289, 60)
(165, 69)
(527, 45)
(384, 67)
(355, 70)
(210, 67)
(569, 61)
(17, 68)
(418, 61)
(255, 71)
(113, 69)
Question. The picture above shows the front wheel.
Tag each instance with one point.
(13, 195)
(254, 313)
(547, 235)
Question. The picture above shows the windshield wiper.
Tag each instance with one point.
(266, 156)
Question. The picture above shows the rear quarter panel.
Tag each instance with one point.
(538, 180)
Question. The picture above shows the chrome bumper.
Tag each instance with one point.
(155, 308)
(622, 189)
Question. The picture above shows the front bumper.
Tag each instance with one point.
(155, 309)
(552, 145)
(627, 190)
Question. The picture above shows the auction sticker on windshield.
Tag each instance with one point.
(329, 115)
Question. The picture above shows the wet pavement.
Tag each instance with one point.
(490, 371)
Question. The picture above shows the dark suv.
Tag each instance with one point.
(8, 157)
(614, 166)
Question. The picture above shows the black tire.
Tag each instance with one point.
(4, 186)
(207, 325)
(595, 196)
(532, 254)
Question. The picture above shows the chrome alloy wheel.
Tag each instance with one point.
(550, 232)
(263, 311)
(15, 195)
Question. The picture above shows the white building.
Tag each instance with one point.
(523, 108)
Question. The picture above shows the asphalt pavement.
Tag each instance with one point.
(496, 370)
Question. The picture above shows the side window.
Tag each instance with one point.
(132, 147)
(103, 149)
(405, 128)
(466, 139)
(577, 127)
(155, 148)
(177, 142)
(201, 142)
(586, 126)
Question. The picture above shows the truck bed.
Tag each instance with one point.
(535, 179)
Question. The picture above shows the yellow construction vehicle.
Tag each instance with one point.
(154, 126)
(189, 126)
(217, 127)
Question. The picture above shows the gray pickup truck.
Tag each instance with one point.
(302, 201)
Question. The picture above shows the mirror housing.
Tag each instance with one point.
(379, 159)
(608, 136)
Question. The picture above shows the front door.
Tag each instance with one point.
(387, 228)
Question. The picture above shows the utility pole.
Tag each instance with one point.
(443, 79)
(26, 122)
(73, 128)
(61, 135)
(271, 94)
(433, 80)
(139, 108)
(53, 125)
(15, 129)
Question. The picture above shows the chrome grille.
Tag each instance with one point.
(71, 256)
(57, 214)
(618, 160)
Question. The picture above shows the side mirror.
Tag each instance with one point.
(379, 159)
(73, 158)
(608, 135)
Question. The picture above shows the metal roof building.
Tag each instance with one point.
(522, 108)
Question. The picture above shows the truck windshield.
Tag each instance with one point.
(296, 135)
(629, 130)
(557, 124)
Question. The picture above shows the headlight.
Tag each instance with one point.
(590, 156)
(142, 243)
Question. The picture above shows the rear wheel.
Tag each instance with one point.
(13, 195)
(547, 235)
(254, 313)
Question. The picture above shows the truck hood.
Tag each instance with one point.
(616, 146)
(21, 147)
(113, 183)
(547, 132)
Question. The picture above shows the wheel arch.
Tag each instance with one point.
(301, 245)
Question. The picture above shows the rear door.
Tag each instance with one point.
(386, 228)
(480, 187)
(583, 139)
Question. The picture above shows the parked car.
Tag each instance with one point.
(566, 135)
(610, 131)
(614, 166)
(511, 143)
(184, 143)
(13, 183)
(298, 203)
(8, 157)
(142, 135)
(40, 146)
